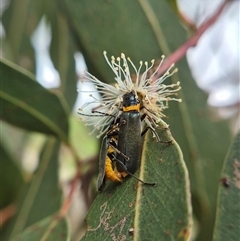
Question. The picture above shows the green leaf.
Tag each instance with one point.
(62, 53)
(42, 196)
(11, 178)
(20, 20)
(227, 226)
(49, 229)
(146, 213)
(113, 27)
(26, 104)
(204, 143)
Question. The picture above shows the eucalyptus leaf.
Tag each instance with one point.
(132, 210)
(62, 52)
(20, 20)
(26, 104)
(49, 229)
(11, 178)
(42, 196)
(227, 226)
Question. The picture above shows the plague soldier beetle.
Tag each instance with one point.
(121, 146)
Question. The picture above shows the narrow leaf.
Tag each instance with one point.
(133, 211)
(28, 105)
(11, 178)
(62, 52)
(20, 20)
(227, 225)
(49, 229)
(42, 197)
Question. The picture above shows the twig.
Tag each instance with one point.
(66, 205)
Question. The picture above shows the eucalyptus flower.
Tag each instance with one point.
(152, 93)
